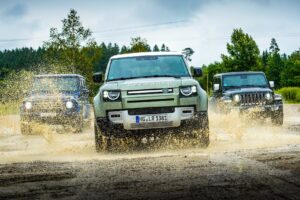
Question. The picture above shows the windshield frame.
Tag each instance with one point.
(130, 57)
(243, 86)
(34, 90)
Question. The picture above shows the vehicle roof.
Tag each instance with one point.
(130, 55)
(58, 75)
(237, 73)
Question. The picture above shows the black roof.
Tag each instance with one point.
(239, 73)
(58, 75)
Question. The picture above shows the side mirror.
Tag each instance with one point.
(97, 77)
(197, 72)
(272, 84)
(216, 87)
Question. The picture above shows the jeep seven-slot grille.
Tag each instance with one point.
(47, 106)
(253, 98)
(144, 111)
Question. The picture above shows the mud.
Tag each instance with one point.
(245, 160)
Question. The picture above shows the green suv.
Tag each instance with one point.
(144, 94)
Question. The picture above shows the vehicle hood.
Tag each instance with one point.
(246, 90)
(148, 83)
(51, 97)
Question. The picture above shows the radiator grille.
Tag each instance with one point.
(253, 98)
(143, 111)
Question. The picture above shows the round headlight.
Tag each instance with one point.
(268, 96)
(187, 91)
(236, 98)
(69, 104)
(113, 95)
(28, 105)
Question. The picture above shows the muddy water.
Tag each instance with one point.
(228, 133)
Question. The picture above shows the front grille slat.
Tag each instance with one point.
(253, 98)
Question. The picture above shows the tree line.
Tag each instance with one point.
(73, 50)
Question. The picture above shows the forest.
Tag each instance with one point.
(73, 50)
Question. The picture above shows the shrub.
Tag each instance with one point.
(290, 94)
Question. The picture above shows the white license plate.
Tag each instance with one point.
(48, 114)
(150, 118)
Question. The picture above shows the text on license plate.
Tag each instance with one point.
(150, 118)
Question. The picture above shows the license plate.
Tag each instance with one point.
(48, 114)
(151, 118)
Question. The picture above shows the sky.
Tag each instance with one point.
(203, 25)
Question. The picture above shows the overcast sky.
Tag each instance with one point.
(203, 25)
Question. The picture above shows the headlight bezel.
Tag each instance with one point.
(107, 95)
(191, 93)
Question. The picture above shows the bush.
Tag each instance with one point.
(290, 94)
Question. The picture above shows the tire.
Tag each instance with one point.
(199, 130)
(101, 143)
(25, 128)
(277, 118)
(78, 125)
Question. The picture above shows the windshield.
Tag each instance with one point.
(244, 80)
(147, 66)
(55, 84)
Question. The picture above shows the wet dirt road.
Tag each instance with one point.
(245, 160)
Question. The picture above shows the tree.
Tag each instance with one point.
(290, 75)
(243, 52)
(188, 52)
(124, 49)
(65, 48)
(275, 64)
(139, 44)
(155, 48)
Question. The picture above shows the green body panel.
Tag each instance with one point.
(173, 99)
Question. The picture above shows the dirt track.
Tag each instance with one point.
(244, 161)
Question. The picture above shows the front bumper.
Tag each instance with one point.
(129, 121)
(50, 117)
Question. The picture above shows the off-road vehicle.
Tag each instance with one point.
(247, 92)
(149, 91)
(56, 99)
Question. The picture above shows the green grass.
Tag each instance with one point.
(290, 94)
(9, 108)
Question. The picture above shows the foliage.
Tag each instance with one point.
(243, 52)
(290, 94)
(188, 52)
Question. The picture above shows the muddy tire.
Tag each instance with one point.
(277, 118)
(101, 143)
(25, 128)
(199, 130)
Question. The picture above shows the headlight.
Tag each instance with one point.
(268, 96)
(69, 104)
(28, 105)
(188, 90)
(111, 95)
(236, 98)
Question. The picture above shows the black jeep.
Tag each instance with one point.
(56, 99)
(245, 92)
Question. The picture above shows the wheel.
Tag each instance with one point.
(277, 118)
(199, 130)
(25, 128)
(101, 142)
(78, 125)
